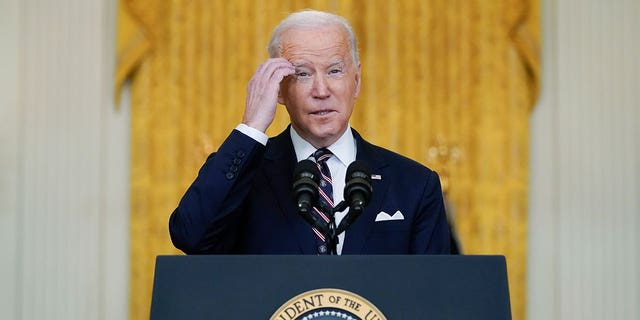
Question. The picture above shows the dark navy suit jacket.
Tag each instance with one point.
(241, 202)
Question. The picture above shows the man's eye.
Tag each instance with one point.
(335, 71)
(302, 74)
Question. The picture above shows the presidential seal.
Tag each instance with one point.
(328, 304)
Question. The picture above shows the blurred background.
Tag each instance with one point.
(527, 109)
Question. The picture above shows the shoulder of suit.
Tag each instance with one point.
(394, 159)
(399, 160)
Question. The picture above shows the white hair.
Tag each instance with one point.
(312, 18)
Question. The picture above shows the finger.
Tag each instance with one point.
(269, 62)
(266, 80)
(262, 72)
(270, 66)
(281, 73)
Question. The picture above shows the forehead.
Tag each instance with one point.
(328, 42)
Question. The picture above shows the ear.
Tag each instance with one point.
(356, 92)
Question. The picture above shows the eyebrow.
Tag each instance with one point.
(307, 65)
(339, 63)
(300, 65)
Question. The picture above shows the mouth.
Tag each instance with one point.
(323, 112)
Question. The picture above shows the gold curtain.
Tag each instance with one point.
(448, 83)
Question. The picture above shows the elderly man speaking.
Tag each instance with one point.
(243, 199)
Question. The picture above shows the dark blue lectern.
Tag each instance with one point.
(401, 287)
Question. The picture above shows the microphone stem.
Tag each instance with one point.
(331, 236)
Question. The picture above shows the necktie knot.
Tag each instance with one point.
(322, 155)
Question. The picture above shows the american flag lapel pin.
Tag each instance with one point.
(376, 177)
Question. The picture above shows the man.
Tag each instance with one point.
(241, 201)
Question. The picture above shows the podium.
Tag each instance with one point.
(399, 286)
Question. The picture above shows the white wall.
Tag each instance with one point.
(584, 249)
(9, 52)
(64, 163)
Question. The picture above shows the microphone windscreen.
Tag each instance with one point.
(358, 169)
(305, 168)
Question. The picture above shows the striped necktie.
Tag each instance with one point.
(325, 189)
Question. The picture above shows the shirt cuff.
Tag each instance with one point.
(253, 133)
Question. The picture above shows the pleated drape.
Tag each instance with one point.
(447, 83)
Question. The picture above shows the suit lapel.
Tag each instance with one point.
(280, 161)
(357, 234)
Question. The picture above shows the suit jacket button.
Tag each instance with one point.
(230, 175)
(236, 161)
(233, 169)
(240, 154)
(322, 249)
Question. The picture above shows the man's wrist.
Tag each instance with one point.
(253, 133)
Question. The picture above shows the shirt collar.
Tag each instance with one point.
(344, 148)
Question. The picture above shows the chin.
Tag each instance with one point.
(328, 134)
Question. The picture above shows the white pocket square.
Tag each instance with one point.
(383, 216)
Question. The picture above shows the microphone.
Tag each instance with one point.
(306, 177)
(357, 192)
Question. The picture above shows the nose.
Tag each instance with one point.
(320, 88)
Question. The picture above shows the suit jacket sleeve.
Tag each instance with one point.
(431, 230)
(209, 214)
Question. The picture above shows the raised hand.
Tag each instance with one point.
(262, 93)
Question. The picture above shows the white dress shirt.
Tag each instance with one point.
(344, 151)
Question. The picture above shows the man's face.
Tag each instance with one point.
(321, 94)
